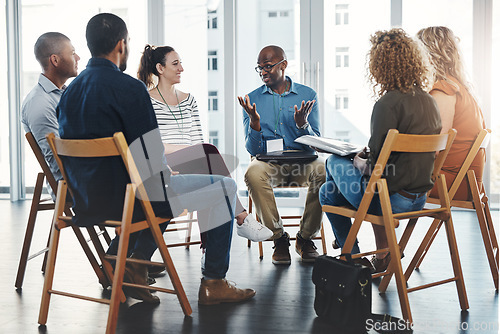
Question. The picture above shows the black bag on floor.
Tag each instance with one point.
(344, 298)
(343, 293)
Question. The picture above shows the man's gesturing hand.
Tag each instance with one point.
(301, 114)
(251, 110)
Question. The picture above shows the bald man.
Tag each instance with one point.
(274, 115)
(59, 62)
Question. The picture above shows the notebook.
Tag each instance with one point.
(330, 145)
(288, 156)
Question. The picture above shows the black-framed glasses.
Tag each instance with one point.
(267, 68)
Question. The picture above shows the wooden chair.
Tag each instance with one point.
(109, 147)
(183, 223)
(42, 204)
(288, 217)
(479, 203)
(396, 142)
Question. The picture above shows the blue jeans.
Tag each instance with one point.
(345, 185)
(215, 197)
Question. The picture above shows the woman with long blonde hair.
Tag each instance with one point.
(457, 105)
(398, 73)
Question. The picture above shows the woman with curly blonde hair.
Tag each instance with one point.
(457, 105)
(398, 72)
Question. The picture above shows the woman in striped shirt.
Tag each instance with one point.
(180, 128)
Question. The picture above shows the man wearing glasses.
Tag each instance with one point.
(275, 114)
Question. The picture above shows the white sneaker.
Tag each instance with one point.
(253, 230)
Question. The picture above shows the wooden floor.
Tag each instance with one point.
(285, 294)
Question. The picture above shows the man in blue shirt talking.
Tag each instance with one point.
(276, 114)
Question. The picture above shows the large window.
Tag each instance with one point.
(495, 105)
(39, 17)
(195, 28)
(347, 116)
(199, 37)
(260, 23)
(4, 105)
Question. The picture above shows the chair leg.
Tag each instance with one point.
(491, 229)
(29, 231)
(105, 278)
(90, 256)
(429, 243)
(323, 239)
(424, 246)
(49, 275)
(105, 234)
(189, 228)
(457, 267)
(395, 265)
(172, 272)
(402, 245)
(52, 253)
(116, 290)
(250, 207)
(483, 226)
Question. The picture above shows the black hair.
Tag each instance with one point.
(48, 44)
(103, 32)
(150, 57)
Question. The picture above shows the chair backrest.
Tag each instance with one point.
(101, 147)
(408, 143)
(41, 161)
(481, 142)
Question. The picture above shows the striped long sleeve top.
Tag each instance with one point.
(181, 123)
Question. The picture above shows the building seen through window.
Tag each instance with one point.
(213, 101)
(341, 14)
(212, 60)
(342, 57)
(212, 19)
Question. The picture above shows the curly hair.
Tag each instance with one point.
(397, 62)
(444, 53)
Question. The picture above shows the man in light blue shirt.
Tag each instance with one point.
(276, 114)
(59, 62)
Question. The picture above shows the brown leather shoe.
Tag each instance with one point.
(155, 271)
(137, 273)
(306, 249)
(364, 262)
(281, 253)
(216, 291)
(380, 265)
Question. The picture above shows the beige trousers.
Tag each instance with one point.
(261, 177)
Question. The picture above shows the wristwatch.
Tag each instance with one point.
(303, 127)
